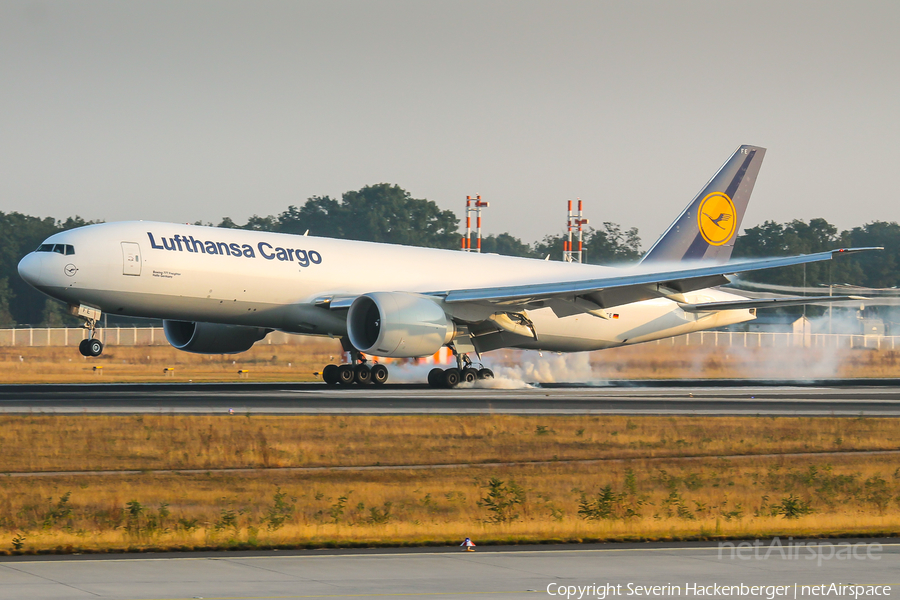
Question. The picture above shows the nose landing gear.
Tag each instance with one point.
(89, 346)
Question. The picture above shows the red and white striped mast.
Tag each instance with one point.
(573, 221)
(479, 204)
(467, 241)
(581, 222)
(473, 205)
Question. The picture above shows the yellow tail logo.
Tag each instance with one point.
(716, 218)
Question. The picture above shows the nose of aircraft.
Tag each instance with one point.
(30, 269)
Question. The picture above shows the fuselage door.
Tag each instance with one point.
(131, 254)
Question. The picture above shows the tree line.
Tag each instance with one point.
(388, 213)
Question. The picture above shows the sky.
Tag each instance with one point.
(196, 110)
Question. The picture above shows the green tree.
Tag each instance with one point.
(280, 511)
(607, 245)
(604, 507)
(320, 215)
(610, 244)
(387, 213)
(502, 500)
(505, 244)
(792, 507)
(21, 234)
(873, 269)
(56, 315)
(257, 223)
(796, 237)
(551, 245)
(375, 213)
(6, 297)
(227, 223)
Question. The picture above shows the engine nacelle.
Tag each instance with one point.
(212, 338)
(398, 325)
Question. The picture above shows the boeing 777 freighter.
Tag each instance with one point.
(221, 290)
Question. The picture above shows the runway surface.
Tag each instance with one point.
(681, 570)
(838, 398)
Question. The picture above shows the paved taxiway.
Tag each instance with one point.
(488, 573)
(875, 398)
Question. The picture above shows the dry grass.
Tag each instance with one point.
(651, 494)
(299, 362)
(672, 499)
(140, 442)
(60, 364)
(677, 361)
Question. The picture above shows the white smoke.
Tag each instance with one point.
(409, 372)
(530, 367)
(499, 382)
(782, 357)
(514, 369)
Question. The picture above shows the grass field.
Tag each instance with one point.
(301, 362)
(61, 364)
(142, 442)
(658, 490)
(657, 477)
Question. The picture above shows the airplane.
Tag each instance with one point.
(219, 291)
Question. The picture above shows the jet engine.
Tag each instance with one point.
(398, 325)
(212, 338)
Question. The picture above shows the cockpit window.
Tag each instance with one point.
(67, 249)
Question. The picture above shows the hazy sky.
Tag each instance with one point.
(186, 110)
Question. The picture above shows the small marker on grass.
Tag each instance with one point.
(469, 545)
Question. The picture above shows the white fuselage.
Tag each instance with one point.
(231, 276)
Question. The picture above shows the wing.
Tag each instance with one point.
(634, 286)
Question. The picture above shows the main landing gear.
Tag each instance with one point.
(356, 372)
(464, 372)
(90, 346)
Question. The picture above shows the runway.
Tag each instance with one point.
(837, 398)
(782, 569)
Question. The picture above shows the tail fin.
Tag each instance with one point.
(707, 227)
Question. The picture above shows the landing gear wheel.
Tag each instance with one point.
(436, 377)
(94, 347)
(469, 375)
(379, 374)
(363, 374)
(485, 374)
(346, 374)
(451, 377)
(83, 348)
(330, 374)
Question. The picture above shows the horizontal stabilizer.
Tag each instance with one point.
(763, 303)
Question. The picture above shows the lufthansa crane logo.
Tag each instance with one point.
(717, 218)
